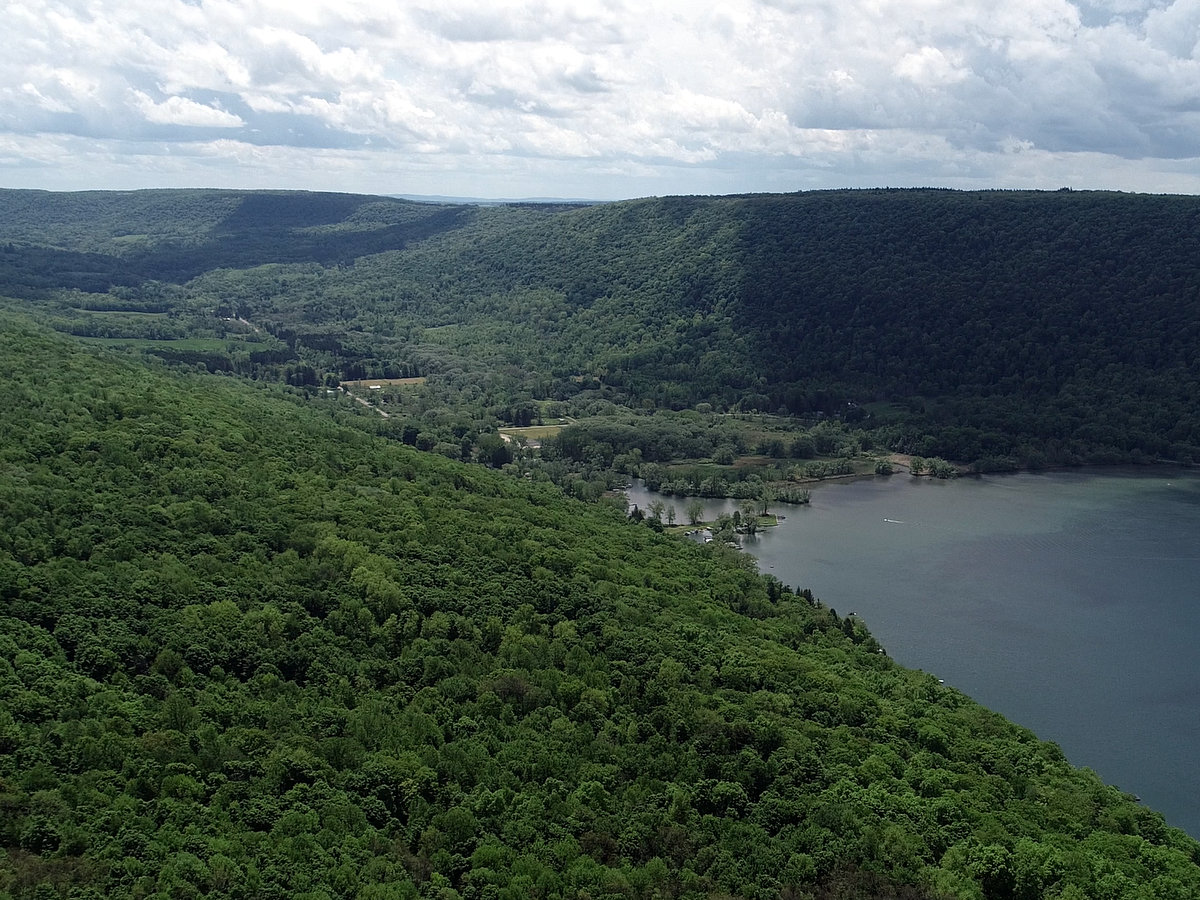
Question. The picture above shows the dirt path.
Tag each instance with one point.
(367, 404)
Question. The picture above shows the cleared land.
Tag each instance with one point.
(533, 432)
(369, 383)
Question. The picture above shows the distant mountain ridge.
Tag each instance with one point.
(498, 201)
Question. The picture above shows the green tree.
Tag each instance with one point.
(656, 507)
(940, 468)
(749, 509)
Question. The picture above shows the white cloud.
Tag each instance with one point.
(262, 103)
(205, 65)
(181, 111)
(1176, 28)
(930, 67)
(50, 104)
(610, 98)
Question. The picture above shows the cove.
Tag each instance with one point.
(1068, 601)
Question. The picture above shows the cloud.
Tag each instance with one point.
(930, 67)
(181, 111)
(631, 98)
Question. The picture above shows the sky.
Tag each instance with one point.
(600, 100)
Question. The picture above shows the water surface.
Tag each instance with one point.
(1069, 602)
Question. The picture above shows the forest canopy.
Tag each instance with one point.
(250, 652)
(268, 632)
(1003, 328)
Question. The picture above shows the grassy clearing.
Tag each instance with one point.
(534, 432)
(768, 521)
(369, 383)
(757, 462)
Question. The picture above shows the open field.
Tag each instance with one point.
(534, 432)
(755, 461)
(686, 529)
(369, 383)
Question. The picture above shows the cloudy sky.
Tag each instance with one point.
(604, 100)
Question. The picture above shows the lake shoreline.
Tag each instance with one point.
(963, 474)
(967, 474)
(1040, 594)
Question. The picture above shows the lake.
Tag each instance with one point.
(1069, 602)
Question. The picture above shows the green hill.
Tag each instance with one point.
(249, 651)
(996, 328)
(253, 645)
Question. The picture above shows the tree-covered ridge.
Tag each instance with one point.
(1066, 316)
(996, 328)
(249, 652)
(1027, 325)
(133, 223)
(94, 240)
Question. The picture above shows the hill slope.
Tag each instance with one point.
(248, 652)
(1001, 327)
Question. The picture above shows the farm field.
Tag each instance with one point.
(369, 383)
(534, 432)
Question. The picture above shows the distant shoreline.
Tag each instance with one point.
(1120, 469)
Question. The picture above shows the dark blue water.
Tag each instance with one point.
(1069, 602)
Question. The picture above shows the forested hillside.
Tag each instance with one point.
(999, 329)
(250, 649)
